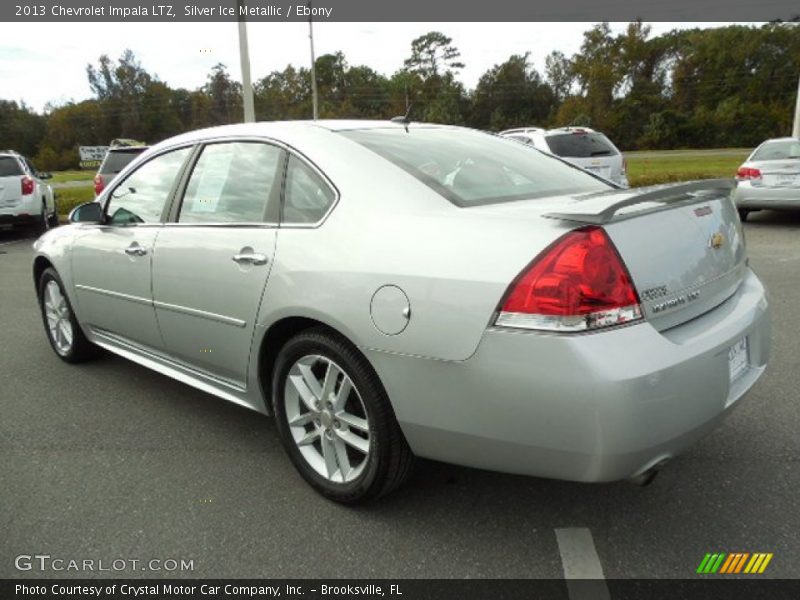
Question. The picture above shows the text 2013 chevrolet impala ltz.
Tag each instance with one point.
(391, 290)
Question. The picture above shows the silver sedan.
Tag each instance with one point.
(770, 178)
(392, 290)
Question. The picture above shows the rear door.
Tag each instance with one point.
(111, 262)
(211, 264)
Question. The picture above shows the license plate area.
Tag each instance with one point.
(738, 359)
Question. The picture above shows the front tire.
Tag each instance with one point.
(62, 328)
(335, 419)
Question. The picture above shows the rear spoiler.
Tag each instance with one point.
(599, 210)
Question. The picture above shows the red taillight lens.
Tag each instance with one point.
(748, 173)
(578, 283)
(99, 184)
(27, 186)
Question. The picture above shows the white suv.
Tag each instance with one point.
(581, 146)
(24, 197)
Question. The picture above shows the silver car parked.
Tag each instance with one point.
(769, 178)
(396, 290)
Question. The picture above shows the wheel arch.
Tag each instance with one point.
(40, 263)
(276, 336)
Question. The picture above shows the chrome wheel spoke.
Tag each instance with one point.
(66, 332)
(331, 375)
(311, 381)
(354, 441)
(343, 394)
(301, 419)
(309, 438)
(329, 456)
(353, 421)
(306, 394)
(341, 457)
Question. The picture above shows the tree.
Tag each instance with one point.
(225, 97)
(432, 53)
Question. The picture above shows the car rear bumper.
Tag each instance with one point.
(748, 196)
(593, 407)
(18, 219)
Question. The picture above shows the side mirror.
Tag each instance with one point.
(89, 212)
(45, 175)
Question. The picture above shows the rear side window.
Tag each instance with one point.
(9, 166)
(470, 168)
(116, 160)
(308, 197)
(141, 196)
(232, 183)
(778, 150)
(580, 145)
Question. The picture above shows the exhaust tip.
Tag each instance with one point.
(647, 476)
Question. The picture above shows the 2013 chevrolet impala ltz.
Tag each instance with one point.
(391, 289)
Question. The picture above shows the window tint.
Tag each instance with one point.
(308, 197)
(471, 168)
(231, 183)
(779, 150)
(116, 160)
(580, 145)
(9, 166)
(141, 196)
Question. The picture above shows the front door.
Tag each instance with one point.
(111, 262)
(210, 267)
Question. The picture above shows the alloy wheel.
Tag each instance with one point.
(327, 418)
(59, 323)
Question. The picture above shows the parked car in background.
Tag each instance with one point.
(389, 290)
(769, 178)
(25, 198)
(581, 146)
(120, 153)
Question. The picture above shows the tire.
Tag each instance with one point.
(358, 428)
(53, 221)
(743, 214)
(44, 222)
(74, 350)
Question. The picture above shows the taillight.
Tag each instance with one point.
(99, 184)
(748, 173)
(577, 284)
(27, 186)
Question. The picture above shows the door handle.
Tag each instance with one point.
(253, 259)
(135, 250)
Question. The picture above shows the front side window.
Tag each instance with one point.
(232, 183)
(308, 197)
(141, 196)
(470, 168)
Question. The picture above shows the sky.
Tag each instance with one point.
(44, 63)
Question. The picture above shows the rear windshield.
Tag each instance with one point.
(116, 160)
(9, 166)
(580, 145)
(471, 168)
(778, 150)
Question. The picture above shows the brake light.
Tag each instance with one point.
(27, 186)
(748, 173)
(579, 283)
(99, 184)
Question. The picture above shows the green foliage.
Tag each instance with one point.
(699, 88)
(69, 198)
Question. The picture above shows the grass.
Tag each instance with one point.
(650, 168)
(69, 198)
(65, 176)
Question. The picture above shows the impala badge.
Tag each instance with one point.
(717, 241)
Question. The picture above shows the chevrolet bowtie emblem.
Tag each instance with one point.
(717, 241)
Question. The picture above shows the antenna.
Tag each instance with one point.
(404, 119)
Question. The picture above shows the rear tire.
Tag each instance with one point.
(62, 328)
(743, 214)
(44, 221)
(335, 420)
(53, 221)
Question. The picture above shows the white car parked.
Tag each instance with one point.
(580, 146)
(25, 199)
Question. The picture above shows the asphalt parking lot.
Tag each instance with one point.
(109, 460)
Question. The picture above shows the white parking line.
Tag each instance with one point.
(582, 568)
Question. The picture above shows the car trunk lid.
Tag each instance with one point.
(778, 173)
(683, 245)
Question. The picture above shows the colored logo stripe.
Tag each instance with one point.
(723, 563)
